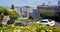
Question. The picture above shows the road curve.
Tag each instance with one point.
(57, 25)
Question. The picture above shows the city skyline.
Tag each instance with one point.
(32, 3)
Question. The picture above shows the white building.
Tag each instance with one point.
(35, 14)
(24, 12)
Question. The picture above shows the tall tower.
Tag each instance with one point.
(58, 2)
(43, 4)
(49, 3)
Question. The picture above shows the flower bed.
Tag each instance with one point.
(33, 28)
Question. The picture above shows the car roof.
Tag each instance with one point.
(45, 20)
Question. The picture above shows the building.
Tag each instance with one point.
(49, 6)
(58, 2)
(55, 8)
(35, 14)
(24, 12)
(58, 5)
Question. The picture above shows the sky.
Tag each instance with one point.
(32, 3)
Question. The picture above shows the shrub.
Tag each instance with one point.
(13, 14)
(33, 28)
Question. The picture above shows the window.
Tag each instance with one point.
(44, 21)
(49, 20)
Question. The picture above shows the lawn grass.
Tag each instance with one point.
(56, 30)
(25, 20)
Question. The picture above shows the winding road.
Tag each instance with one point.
(57, 25)
(30, 23)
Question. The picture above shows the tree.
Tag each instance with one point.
(4, 11)
(13, 14)
(47, 13)
(12, 6)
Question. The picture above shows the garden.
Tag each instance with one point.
(13, 28)
(32, 28)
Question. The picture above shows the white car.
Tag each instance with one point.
(47, 22)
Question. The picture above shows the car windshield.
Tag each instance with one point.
(50, 20)
(44, 21)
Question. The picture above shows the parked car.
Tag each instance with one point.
(21, 24)
(47, 22)
(10, 22)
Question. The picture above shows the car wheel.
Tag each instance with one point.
(48, 25)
